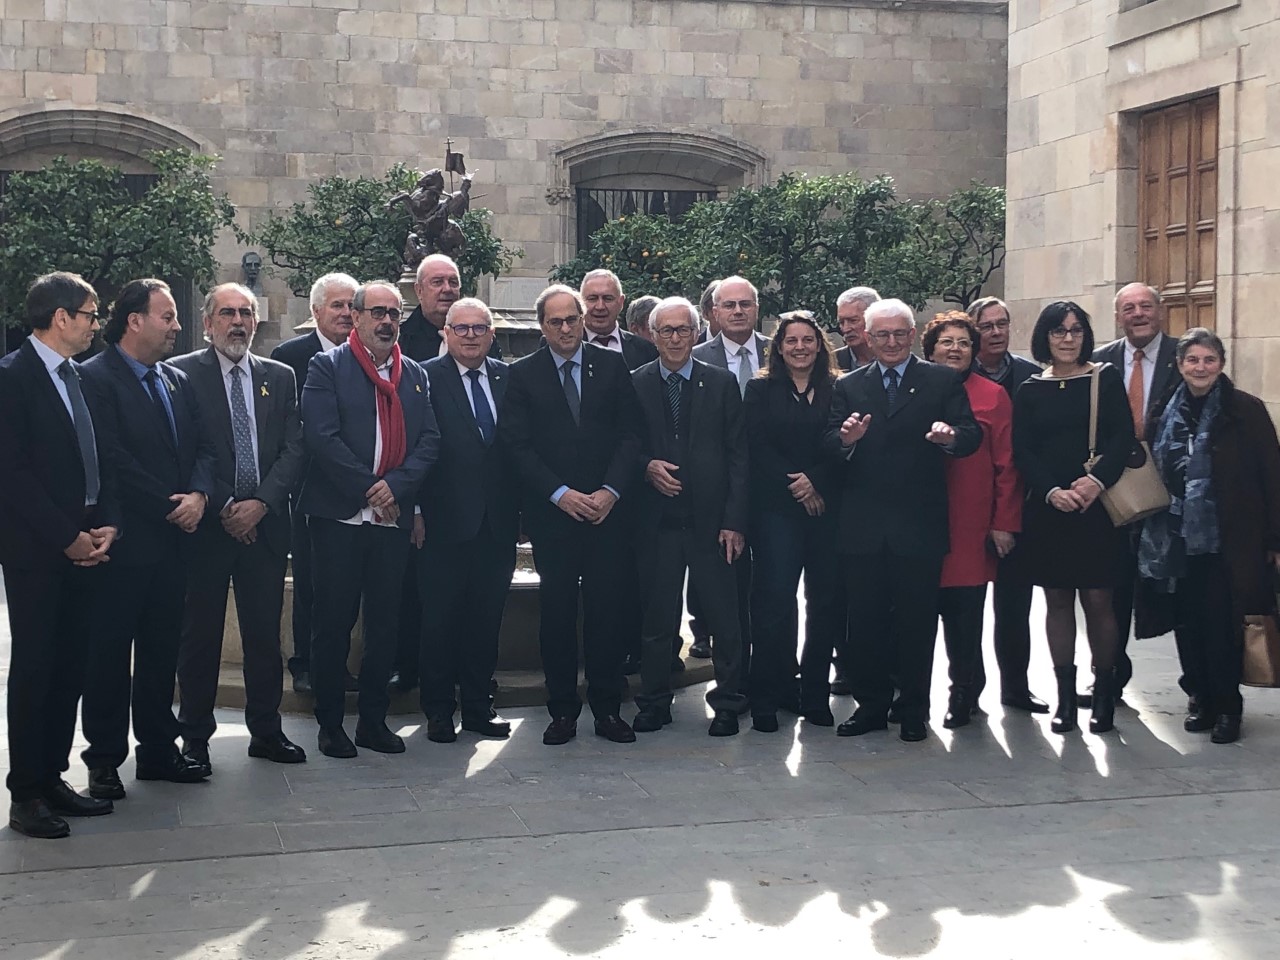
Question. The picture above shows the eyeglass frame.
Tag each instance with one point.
(380, 312)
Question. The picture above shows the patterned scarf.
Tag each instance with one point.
(1183, 456)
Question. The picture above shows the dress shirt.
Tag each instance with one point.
(731, 353)
(613, 339)
(577, 380)
(52, 360)
(1149, 354)
(685, 372)
(246, 390)
(141, 370)
(484, 385)
(325, 343)
(366, 515)
(884, 372)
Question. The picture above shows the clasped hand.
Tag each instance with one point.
(190, 508)
(380, 498)
(1078, 498)
(591, 507)
(240, 519)
(90, 548)
(803, 490)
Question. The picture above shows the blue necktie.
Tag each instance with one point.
(152, 380)
(246, 469)
(480, 407)
(891, 388)
(84, 430)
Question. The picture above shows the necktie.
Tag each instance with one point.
(891, 387)
(605, 341)
(571, 390)
(241, 432)
(84, 430)
(152, 380)
(484, 415)
(744, 369)
(673, 398)
(1136, 384)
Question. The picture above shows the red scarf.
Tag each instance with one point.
(387, 396)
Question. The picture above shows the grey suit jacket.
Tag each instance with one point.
(1166, 375)
(712, 351)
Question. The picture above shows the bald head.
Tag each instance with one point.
(1138, 311)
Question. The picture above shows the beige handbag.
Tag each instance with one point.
(1260, 664)
(1139, 492)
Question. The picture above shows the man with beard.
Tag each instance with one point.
(151, 427)
(371, 436)
(250, 409)
(851, 311)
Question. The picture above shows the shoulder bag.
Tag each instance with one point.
(1139, 492)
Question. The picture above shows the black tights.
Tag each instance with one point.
(1099, 622)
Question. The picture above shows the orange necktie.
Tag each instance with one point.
(1135, 393)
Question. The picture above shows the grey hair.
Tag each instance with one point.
(1200, 337)
(863, 295)
(601, 274)
(892, 307)
(1155, 294)
(638, 310)
(540, 305)
(735, 279)
(469, 303)
(674, 303)
(435, 258)
(207, 309)
(708, 298)
(357, 302)
(319, 288)
(985, 303)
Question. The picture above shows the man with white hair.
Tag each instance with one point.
(602, 295)
(892, 425)
(851, 309)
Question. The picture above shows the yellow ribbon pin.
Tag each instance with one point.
(264, 391)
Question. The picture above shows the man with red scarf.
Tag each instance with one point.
(371, 436)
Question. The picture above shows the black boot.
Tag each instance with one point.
(1064, 720)
(1103, 715)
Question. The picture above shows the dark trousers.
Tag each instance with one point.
(1208, 635)
(895, 602)
(590, 560)
(665, 554)
(409, 638)
(257, 572)
(355, 562)
(464, 588)
(1011, 602)
(1122, 606)
(139, 613)
(303, 591)
(50, 610)
(961, 610)
(782, 547)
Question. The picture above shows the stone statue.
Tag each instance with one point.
(251, 264)
(435, 213)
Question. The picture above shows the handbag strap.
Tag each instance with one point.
(1093, 411)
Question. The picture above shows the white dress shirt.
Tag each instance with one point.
(731, 353)
(614, 339)
(366, 514)
(1149, 354)
(246, 390)
(464, 372)
(325, 343)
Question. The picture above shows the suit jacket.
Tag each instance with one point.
(150, 469)
(712, 351)
(548, 450)
(280, 456)
(339, 430)
(894, 480)
(41, 472)
(636, 351)
(470, 485)
(714, 467)
(297, 353)
(421, 340)
(1163, 381)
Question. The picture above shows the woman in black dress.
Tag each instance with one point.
(1069, 544)
(792, 526)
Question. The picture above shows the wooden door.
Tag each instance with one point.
(1178, 209)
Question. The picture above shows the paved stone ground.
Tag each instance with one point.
(1001, 841)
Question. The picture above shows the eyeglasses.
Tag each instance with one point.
(380, 313)
(230, 313)
(470, 329)
(897, 336)
(674, 333)
(998, 325)
(946, 343)
(563, 322)
(735, 304)
(1066, 333)
(93, 315)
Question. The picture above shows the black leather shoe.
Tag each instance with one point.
(1025, 701)
(958, 711)
(334, 742)
(894, 716)
(651, 720)
(65, 801)
(378, 737)
(197, 751)
(725, 724)
(857, 725)
(913, 731)
(277, 748)
(764, 722)
(441, 730)
(1226, 729)
(34, 819)
(402, 682)
(487, 726)
(701, 648)
(351, 684)
(1199, 717)
(104, 783)
(560, 730)
(819, 715)
(630, 665)
(677, 663)
(615, 729)
(840, 686)
(177, 769)
(302, 683)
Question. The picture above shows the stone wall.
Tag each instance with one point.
(287, 92)
(1080, 74)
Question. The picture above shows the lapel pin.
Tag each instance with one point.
(417, 388)
(912, 390)
(265, 392)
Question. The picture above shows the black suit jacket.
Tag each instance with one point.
(712, 351)
(141, 448)
(636, 351)
(280, 455)
(894, 481)
(548, 450)
(714, 469)
(41, 473)
(470, 486)
(297, 353)
(1165, 378)
(339, 426)
(421, 340)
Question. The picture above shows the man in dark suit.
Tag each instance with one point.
(1146, 356)
(892, 425)
(250, 408)
(371, 437)
(570, 427)
(1011, 596)
(851, 312)
(601, 292)
(470, 524)
(331, 310)
(693, 512)
(58, 521)
(151, 424)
